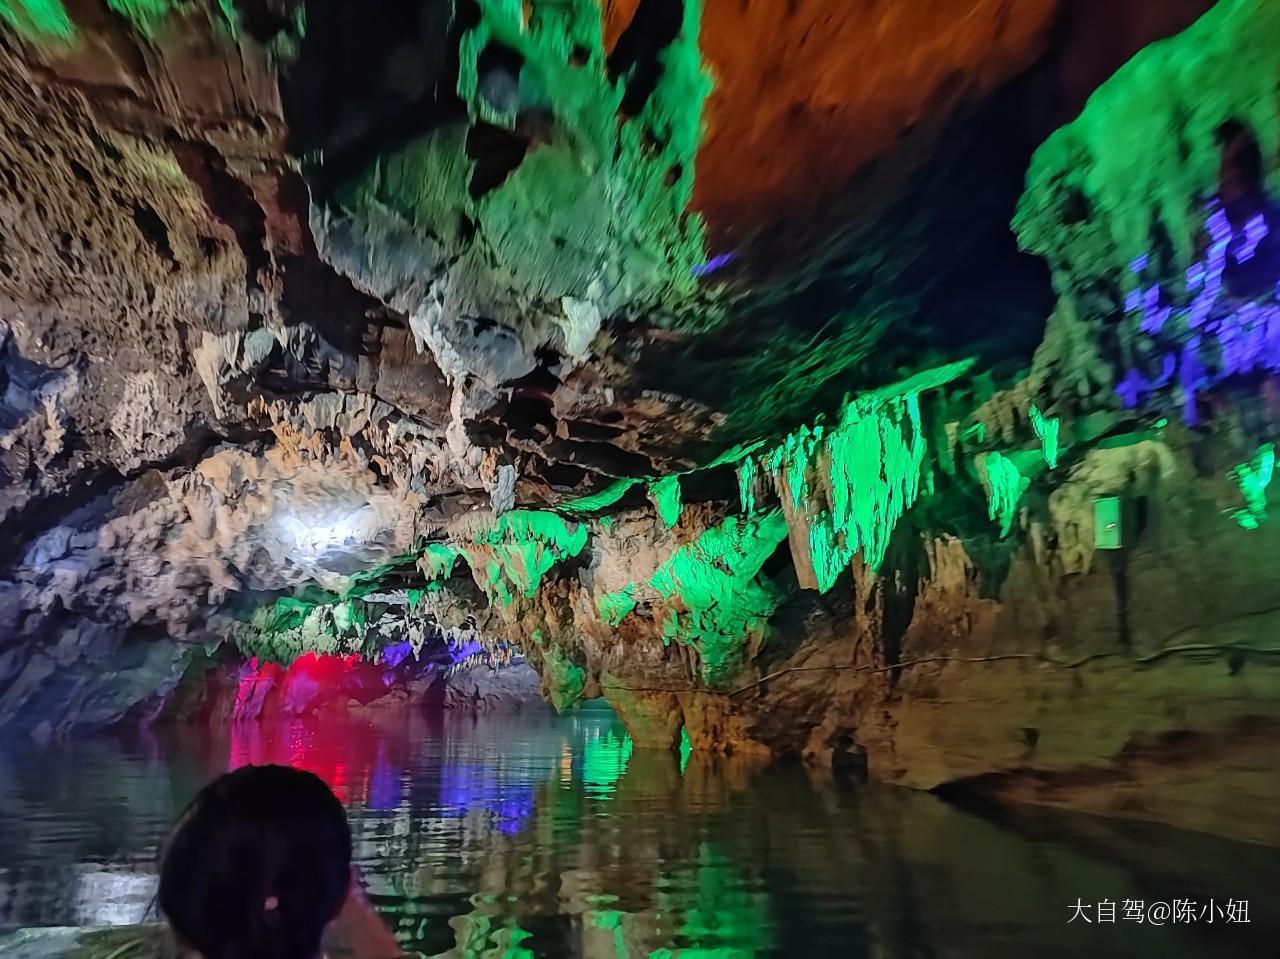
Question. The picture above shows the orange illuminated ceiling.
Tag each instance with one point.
(809, 92)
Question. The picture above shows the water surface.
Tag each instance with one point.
(532, 835)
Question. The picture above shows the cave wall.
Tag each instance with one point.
(1139, 682)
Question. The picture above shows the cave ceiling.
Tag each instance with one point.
(495, 242)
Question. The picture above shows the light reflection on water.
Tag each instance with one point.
(530, 835)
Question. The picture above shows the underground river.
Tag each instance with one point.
(536, 835)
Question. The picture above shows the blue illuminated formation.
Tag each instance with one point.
(1217, 334)
(1255, 231)
(713, 264)
(397, 653)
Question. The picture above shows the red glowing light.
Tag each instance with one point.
(275, 723)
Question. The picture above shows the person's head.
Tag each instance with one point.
(257, 866)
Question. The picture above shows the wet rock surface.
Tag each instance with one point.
(685, 347)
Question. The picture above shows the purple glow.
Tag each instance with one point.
(385, 786)
(1154, 317)
(1132, 389)
(1139, 264)
(396, 654)
(1255, 231)
(1253, 340)
(1192, 378)
(467, 788)
(1153, 321)
(713, 264)
(1218, 224)
(1246, 335)
(464, 651)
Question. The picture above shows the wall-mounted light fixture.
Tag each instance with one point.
(1108, 522)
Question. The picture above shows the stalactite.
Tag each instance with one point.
(601, 500)
(747, 473)
(665, 494)
(563, 678)
(516, 550)
(716, 601)
(292, 627)
(437, 561)
(1005, 486)
(850, 485)
(622, 156)
(1047, 430)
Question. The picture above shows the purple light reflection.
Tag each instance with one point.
(385, 786)
(466, 788)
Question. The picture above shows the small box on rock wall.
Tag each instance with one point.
(1108, 522)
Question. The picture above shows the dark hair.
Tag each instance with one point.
(257, 866)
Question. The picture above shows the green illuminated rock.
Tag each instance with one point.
(49, 19)
(1253, 478)
(665, 494)
(519, 548)
(852, 483)
(438, 559)
(589, 183)
(143, 14)
(1047, 431)
(615, 607)
(290, 628)
(1005, 486)
(563, 679)
(1141, 156)
(601, 500)
(715, 600)
(738, 453)
(38, 19)
(747, 472)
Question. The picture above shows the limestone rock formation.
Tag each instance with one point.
(683, 347)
